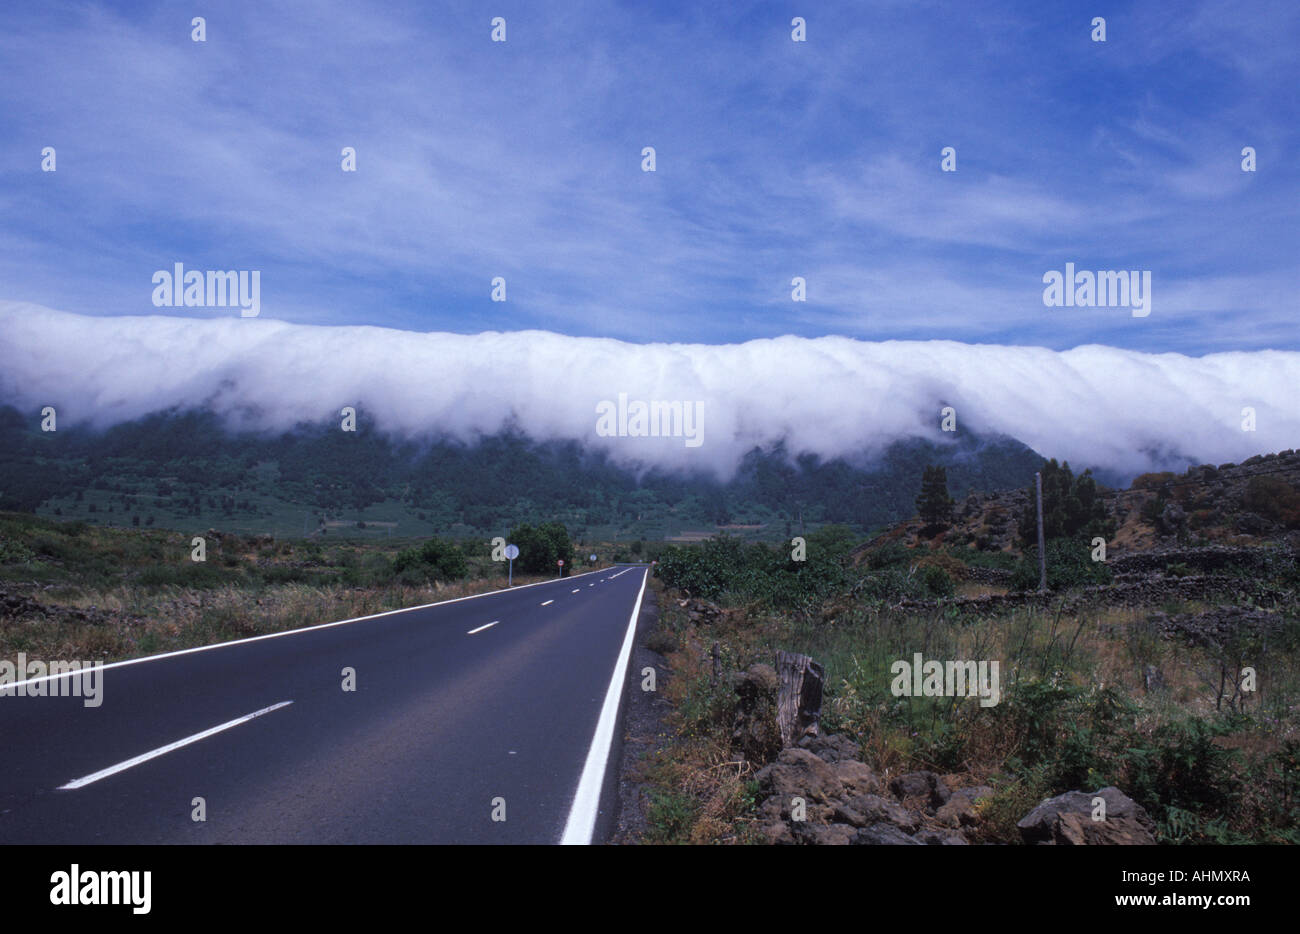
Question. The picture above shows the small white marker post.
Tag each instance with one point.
(511, 552)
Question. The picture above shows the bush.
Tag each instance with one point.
(889, 555)
(1182, 774)
(725, 566)
(890, 584)
(284, 575)
(12, 552)
(1273, 498)
(436, 559)
(1069, 564)
(707, 570)
(670, 816)
(540, 547)
(937, 583)
(186, 574)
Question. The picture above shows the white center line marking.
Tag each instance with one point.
(575, 590)
(548, 603)
(162, 750)
(288, 632)
(481, 628)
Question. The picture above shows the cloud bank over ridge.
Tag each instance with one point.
(1117, 409)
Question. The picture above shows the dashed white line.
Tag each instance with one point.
(484, 626)
(162, 750)
(575, 590)
(288, 632)
(548, 603)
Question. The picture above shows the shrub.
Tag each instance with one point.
(936, 582)
(186, 574)
(436, 560)
(1273, 498)
(540, 547)
(725, 566)
(889, 555)
(1069, 564)
(889, 584)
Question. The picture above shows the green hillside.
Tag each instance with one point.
(184, 470)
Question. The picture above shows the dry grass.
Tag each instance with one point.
(1093, 651)
(129, 622)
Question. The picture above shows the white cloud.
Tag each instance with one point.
(1092, 405)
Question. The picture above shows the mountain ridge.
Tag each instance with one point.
(184, 467)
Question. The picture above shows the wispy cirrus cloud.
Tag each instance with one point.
(776, 159)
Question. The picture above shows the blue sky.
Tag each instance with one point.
(775, 159)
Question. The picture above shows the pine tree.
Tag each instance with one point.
(934, 504)
(1072, 507)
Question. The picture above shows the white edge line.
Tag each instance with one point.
(586, 800)
(481, 628)
(287, 632)
(155, 753)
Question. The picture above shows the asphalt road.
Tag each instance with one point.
(446, 729)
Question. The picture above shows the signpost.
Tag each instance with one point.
(511, 552)
(561, 564)
(593, 558)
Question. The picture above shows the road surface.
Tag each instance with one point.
(502, 705)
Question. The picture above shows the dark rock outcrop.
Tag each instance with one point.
(1067, 820)
(755, 731)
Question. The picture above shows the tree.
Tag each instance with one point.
(1072, 506)
(934, 504)
(436, 559)
(540, 547)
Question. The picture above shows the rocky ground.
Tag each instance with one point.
(1219, 504)
(820, 792)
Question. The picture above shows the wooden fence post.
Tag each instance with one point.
(799, 698)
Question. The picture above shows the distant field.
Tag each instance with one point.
(258, 514)
(70, 589)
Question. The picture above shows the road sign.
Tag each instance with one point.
(511, 552)
(593, 557)
(560, 562)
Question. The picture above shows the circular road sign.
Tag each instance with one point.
(512, 552)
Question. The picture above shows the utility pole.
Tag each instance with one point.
(1042, 550)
